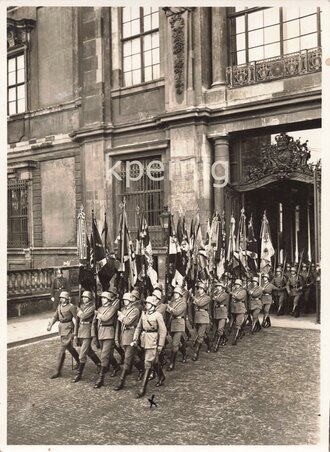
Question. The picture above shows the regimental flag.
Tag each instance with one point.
(220, 249)
(200, 252)
(181, 252)
(97, 248)
(174, 276)
(252, 248)
(241, 244)
(105, 231)
(191, 264)
(231, 244)
(144, 254)
(211, 243)
(267, 249)
(82, 238)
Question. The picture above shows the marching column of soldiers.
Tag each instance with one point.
(139, 329)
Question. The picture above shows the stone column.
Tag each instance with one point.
(219, 46)
(221, 154)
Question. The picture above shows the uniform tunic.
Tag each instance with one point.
(83, 328)
(152, 331)
(106, 318)
(202, 317)
(267, 298)
(220, 310)
(294, 288)
(65, 314)
(177, 320)
(125, 331)
(238, 308)
(255, 301)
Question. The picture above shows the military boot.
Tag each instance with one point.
(143, 388)
(264, 322)
(172, 363)
(241, 333)
(208, 343)
(196, 354)
(224, 340)
(121, 353)
(217, 342)
(236, 337)
(79, 374)
(60, 362)
(100, 381)
(268, 324)
(161, 375)
(296, 312)
(121, 380)
(115, 365)
(96, 360)
(183, 350)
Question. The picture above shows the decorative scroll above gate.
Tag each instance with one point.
(287, 159)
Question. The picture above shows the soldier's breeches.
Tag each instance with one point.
(280, 298)
(176, 340)
(255, 314)
(201, 330)
(149, 357)
(220, 325)
(107, 348)
(266, 308)
(65, 341)
(129, 356)
(85, 344)
(239, 318)
(296, 299)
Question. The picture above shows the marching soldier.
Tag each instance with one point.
(279, 282)
(308, 281)
(220, 305)
(294, 289)
(104, 322)
(238, 307)
(59, 285)
(287, 271)
(177, 309)
(65, 313)
(151, 331)
(83, 334)
(128, 318)
(202, 319)
(255, 294)
(267, 299)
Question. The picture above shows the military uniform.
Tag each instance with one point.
(177, 325)
(59, 285)
(105, 321)
(255, 294)
(279, 293)
(267, 301)
(64, 314)
(127, 321)
(294, 289)
(220, 306)
(307, 281)
(238, 308)
(83, 335)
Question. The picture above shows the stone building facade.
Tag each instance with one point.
(91, 89)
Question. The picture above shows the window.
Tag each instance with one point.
(140, 39)
(260, 33)
(17, 213)
(144, 191)
(16, 84)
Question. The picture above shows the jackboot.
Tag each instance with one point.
(224, 340)
(268, 324)
(172, 363)
(241, 333)
(75, 355)
(115, 365)
(143, 388)
(183, 350)
(236, 337)
(296, 312)
(121, 380)
(253, 327)
(279, 311)
(96, 360)
(100, 381)
(121, 353)
(263, 322)
(208, 343)
(217, 343)
(79, 374)
(152, 375)
(195, 355)
(140, 367)
(161, 375)
(60, 362)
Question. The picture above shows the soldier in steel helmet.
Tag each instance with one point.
(201, 318)
(177, 310)
(105, 321)
(255, 294)
(65, 313)
(238, 307)
(83, 334)
(267, 298)
(279, 293)
(219, 308)
(128, 318)
(151, 331)
(294, 289)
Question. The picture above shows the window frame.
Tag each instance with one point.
(21, 219)
(232, 35)
(14, 54)
(139, 36)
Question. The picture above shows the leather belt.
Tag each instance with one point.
(106, 324)
(150, 331)
(129, 328)
(200, 309)
(178, 317)
(82, 322)
(65, 321)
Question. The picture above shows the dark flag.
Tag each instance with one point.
(252, 248)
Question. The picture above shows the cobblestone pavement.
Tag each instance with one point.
(263, 391)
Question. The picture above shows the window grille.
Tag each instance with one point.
(17, 193)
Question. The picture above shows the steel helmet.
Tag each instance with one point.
(239, 282)
(255, 279)
(158, 285)
(265, 275)
(65, 295)
(106, 295)
(135, 293)
(157, 293)
(152, 300)
(202, 285)
(128, 296)
(87, 294)
(178, 290)
(113, 290)
(278, 269)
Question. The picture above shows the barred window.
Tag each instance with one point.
(17, 193)
(144, 192)
(16, 84)
(260, 33)
(140, 40)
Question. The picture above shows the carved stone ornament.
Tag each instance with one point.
(18, 32)
(282, 159)
(177, 26)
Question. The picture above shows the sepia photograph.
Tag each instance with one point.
(164, 172)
